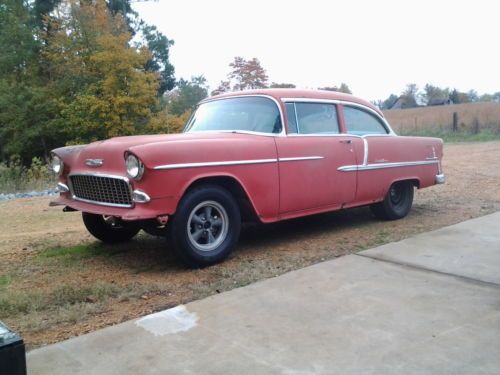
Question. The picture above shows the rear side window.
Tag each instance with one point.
(359, 122)
(312, 118)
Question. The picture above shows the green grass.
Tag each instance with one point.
(77, 252)
(449, 136)
(4, 280)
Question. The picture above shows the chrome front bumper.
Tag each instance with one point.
(440, 179)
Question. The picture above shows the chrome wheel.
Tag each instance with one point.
(207, 226)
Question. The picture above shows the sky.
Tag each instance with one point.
(376, 47)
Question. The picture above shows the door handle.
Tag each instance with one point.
(346, 141)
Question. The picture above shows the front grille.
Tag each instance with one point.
(101, 189)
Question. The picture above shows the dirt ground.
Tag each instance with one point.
(56, 281)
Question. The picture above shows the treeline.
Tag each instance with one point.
(74, 71)
(430, 95)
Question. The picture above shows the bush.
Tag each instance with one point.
(14, 177)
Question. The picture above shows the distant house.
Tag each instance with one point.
(398, 104)
(403, 102)
(440, 101)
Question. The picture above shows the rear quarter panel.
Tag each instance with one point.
(374, 184)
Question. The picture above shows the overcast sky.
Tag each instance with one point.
(376, 47)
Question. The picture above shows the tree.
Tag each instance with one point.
(247, 74)
(343, 88)
(159, 46)
(275, 85)
(432, 94)
(187, 95)
(98, 82)
(224, 86)
(409, 96)
(388, 103)
(473, 96)
(458, 97)
(21, 93)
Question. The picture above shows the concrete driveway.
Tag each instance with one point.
(426, 305)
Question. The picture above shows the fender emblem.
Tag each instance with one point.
(94, 162)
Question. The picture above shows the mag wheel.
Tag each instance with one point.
(206, 226)
(397, 202)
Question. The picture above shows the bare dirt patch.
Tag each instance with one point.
(56, 281)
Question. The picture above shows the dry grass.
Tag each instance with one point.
(56, 281)
(472, 118)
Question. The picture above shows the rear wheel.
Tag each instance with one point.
(206, 226)
(397, 202)
(108, 229)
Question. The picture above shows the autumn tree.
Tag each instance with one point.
(99, 82)
(245, 75)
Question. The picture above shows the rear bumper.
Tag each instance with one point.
(440, 179)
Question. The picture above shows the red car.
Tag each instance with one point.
(266, 155)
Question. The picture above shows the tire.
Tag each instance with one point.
(205, 227)
(397, 202)
(109, 232)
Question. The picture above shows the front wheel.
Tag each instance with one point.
(206, 226)
(108, 229)
(397, 202)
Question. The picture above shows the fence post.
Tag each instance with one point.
(455, 121)
(475, 128)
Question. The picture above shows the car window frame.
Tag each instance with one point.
(265, 134)
(381, 121)
(297, 123)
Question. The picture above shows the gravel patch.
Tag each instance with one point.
(28, 194)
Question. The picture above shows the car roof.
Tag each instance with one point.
(279, 94)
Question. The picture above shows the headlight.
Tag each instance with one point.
(134, 166)
(57, 165)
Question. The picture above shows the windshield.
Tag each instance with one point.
(255, 114)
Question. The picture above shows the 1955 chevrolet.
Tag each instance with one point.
(266, 155)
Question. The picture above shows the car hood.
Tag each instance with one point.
(112, 151)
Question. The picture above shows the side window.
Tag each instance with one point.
(359, 122)
(292, 119)
(316, 118)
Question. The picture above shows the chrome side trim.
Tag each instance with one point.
(368, 167)
(365, 151)
(215, 163)
(301, 158)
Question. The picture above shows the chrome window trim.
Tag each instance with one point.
(368, 167)
(214, 99)
(215, 163)
(74, 197)
(348, 103)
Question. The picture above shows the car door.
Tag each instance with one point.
(309, 158)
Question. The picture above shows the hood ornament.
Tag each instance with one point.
(94, 162)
